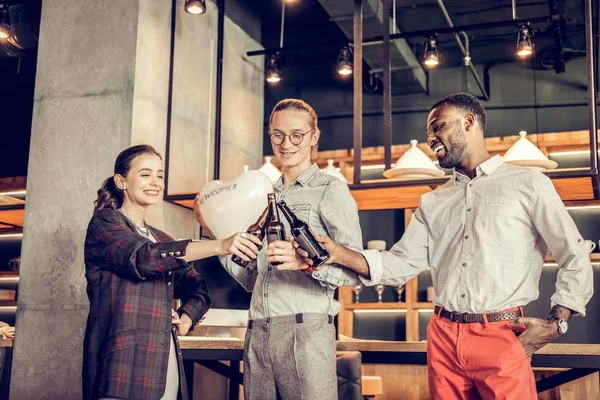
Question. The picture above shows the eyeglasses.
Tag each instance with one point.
(295, 138)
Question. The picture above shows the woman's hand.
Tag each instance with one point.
(182, 324)
(242, 244)
(285, 252)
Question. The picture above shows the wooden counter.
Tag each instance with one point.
(394, 352)
(402, 365)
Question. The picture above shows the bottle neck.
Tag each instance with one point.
(274, 215)
(289, 215)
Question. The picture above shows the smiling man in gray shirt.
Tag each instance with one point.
(484, 234)
(289, 352)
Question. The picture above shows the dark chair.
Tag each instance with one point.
(349, 375)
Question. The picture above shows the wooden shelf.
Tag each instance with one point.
(553, 142)
(12, 218)
(390, 305)
(573, 184)
(423, 305)
(393, 195)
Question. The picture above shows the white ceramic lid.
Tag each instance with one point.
(330, 169)
(414, 163)
(270, 170)
(526, 154)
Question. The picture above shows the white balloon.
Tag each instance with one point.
(230, 207)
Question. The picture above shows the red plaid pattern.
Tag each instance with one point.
(131, 284)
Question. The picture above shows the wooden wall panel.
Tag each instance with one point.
(574, 188)
(400, 382)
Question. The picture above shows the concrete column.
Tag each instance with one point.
(82, 117)
(101, 86)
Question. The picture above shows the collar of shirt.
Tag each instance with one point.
(487, 167)
(303, 179)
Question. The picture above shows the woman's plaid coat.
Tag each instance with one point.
(131, 284)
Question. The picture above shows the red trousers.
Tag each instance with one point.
(477, 360)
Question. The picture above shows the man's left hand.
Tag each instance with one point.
(536, 333)
(285, 252)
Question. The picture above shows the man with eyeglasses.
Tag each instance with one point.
(290, 348)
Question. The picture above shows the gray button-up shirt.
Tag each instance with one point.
(485, 241)
(326, 205)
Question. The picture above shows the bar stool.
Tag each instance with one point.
(348, 365)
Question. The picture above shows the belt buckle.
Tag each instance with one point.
(458, 317)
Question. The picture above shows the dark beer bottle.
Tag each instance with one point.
(274, 229)
(257, 229)
(304, 237)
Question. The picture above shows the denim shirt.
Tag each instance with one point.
(326, 205)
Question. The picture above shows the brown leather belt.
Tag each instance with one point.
(474, 318)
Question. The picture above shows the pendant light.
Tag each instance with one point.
(524, 46)
(344, 62)
(4, 23)
(195, 7)
(431, 58)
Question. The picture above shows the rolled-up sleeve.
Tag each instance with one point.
(405, 260)
(339, 213)
(112, 244)
(574, 283)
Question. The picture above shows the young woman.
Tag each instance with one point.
(134, 271)
(290, 342)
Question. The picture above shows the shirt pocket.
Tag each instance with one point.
(301, 211)
(504, 218)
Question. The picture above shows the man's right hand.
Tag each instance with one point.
(335, 250)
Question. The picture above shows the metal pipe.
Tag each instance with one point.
(282, 23)
(462, 49)
(219, 86)
(591, 88)
(467, 54)
(170, 94)
(425, 109)
(394, 18)
(403, 68)
(559, 58)
(514, 9)
(357, 77)
(387, 88)
(405, 35)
